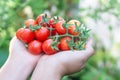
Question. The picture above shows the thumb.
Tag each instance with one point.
(16, 44)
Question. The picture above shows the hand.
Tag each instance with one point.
(20, 62)
(53, 67)
(18, 50)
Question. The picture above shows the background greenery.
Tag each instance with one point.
(102, 66)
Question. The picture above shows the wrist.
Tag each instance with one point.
(46, 70)
(16, 69)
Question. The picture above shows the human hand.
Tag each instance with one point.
(20, 62)
(18, 50)
(53, 67)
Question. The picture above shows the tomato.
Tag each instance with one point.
(35, 47)
(42, 34)
(51, 24)
(25, 35)
(72, 27)
(64, 44)
(30, 22)
(59, 28)
(39, 19)
(47, 47)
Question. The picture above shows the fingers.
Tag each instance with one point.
(85, 54)
(89, 49)
(16, 44)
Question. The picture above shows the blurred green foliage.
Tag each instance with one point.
(12, 17)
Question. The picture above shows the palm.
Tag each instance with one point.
(17, 50)
(71, 61)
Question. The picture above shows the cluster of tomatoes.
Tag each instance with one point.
(50, 35)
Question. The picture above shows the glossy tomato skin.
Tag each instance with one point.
(51, 24)
(30, 22)
(47, 47)
(72, 28)
(39, 18)
(42, 34)
(25, 35)
(64, 44)
(35, 47)
(59, 28)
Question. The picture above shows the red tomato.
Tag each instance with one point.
(39, 19)
(59, 19)
(64, 44)
(30, 22)
(42, 34)
(72, 28)
(35, 47)
(59, 28)
(47, 47)
(51, 24)
(25, 35)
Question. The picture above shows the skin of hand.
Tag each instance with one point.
(54, 67)
(20, 62)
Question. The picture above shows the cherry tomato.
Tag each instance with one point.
(25, 35)
(30, 22)
(47, 47)
(39, 19)
(51, 24)
(59, 28)
(42, 34)
(35, 47)
(64, 44)
(72, 27)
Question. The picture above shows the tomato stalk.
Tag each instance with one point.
(55, 43)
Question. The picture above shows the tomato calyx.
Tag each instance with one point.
(33, 28)
(55, 42)
(45, 19)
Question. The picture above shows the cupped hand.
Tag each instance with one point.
(20, 60)
(62, 63)
(18, 50)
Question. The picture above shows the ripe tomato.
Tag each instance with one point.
(42, 34)
(39, 19)
(72, 27)
(59, 28)
(30, 22)
(52, 24)
(35, 47)
(25, 35)
(47, 47)
(64, 44)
